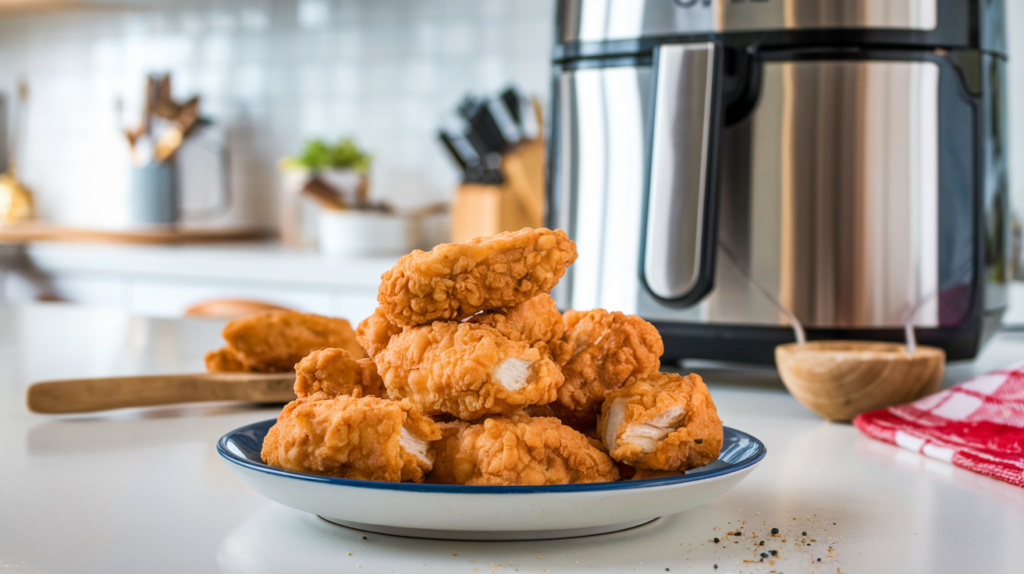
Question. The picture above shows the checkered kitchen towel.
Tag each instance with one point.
(977, 425)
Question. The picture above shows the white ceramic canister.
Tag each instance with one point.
(357, 233)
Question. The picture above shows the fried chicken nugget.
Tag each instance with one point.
(466, 370)
(276, 340)
(334, 372)
(664, 422)
(536, 322)
(456, 280)
(604, 350)
(226, 360)
(365, 438)
(517, 450)
(375, 331)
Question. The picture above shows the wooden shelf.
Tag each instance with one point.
(17, 7)
(41, 231)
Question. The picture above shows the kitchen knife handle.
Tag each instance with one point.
(682, 168)
(88, 395)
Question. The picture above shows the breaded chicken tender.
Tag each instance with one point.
(334, 372)
(664, 422)
(517, 450)
(457, 280)
(466, 370)
(605, 349)
(374, 332)
(276, 340)
(226, 360)
(536, 322)
(365, 438)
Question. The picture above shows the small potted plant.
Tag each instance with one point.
(328, 183)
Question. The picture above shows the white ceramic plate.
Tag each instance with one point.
(488, 512)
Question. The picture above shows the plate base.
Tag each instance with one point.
(487, 535)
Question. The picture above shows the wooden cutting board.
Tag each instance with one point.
(41, 231)
(89, 395)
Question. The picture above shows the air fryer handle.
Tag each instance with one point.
(682, 167)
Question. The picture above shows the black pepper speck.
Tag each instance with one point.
(737, 533)
(717, 541)
(761, 543)
(819, 559)
(764, 555)
(804, 533)
(698, 441)
(773, 552)
(775, 530)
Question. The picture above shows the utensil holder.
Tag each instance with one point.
(484, 210)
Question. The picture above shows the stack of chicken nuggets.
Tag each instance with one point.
(474, 377)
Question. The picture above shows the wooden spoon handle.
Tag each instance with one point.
(87, 395)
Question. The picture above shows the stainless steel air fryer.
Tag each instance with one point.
(847, 157)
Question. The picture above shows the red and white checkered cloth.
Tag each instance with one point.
(977, 425)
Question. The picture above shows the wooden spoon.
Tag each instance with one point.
(88, 395)
(841, 379)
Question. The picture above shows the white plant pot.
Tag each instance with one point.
(297, 219)
(354, 233)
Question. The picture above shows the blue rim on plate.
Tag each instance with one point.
(739, 451)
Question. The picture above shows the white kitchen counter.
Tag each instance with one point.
(145, 491)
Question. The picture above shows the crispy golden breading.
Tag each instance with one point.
(536, 322)
(335, 372)
(517, 450)
(364, 438)
(457, 280)
(663, 421)
(276, 340)
(605, 349)
(374, 332)
(226, 361)
(466, 370)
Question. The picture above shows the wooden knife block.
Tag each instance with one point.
(484, 210)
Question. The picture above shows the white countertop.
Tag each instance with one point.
(145, 491)
(264, 262)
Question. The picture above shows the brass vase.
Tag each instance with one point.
(15, 198)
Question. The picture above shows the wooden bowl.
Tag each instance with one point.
(841, 379)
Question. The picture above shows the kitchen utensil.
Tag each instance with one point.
(484, 210)
(840, 379)
(88, 395)
(854, 161)
(488, 512)
(323, 193)
(475, 168)
(484, 126)
(185, 118)
(513, 103)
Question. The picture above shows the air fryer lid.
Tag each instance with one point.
(937, 22)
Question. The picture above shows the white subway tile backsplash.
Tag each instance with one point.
(271, 73)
